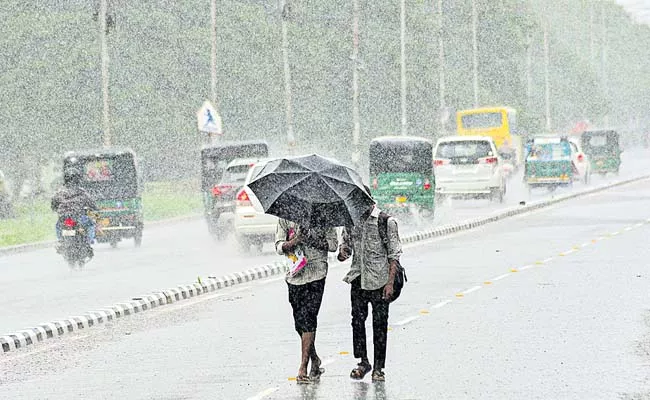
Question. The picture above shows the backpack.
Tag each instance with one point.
(400, 275)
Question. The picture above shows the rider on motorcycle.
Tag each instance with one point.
(74, 200)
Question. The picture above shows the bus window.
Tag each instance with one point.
(482, 120)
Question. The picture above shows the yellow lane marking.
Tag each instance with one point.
(344, 353)
(459, 295)
(487, 283)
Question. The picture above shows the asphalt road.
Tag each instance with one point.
(39, 287)
(552, 304)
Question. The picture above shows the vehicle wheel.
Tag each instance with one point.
(243, 245)
(137, 237)
(113, 243)
(603, 174)
(502, 194)
(440, 198)
(259, 245)
(587, 178)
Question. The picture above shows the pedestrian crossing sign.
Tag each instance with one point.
(208, 119)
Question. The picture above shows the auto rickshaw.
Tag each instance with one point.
(603, 149)
(548, 163)
(112, 178)
(401, 173)
(6, 208)
(214, 160)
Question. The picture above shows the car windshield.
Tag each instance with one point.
(550, 151)
(482, 120)
(235, 174)
(112, 177)
(464, 148)
(400, 157)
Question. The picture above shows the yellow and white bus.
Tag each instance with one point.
(500, 123)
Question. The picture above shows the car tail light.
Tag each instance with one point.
(439, 162)
(375, 184)
(427, 185)
(242, 199)
(489, 160)
(216, 191)
(69, 223)
(581, 158)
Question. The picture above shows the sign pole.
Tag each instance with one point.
(106, 123)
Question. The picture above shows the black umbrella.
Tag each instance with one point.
(311, 190)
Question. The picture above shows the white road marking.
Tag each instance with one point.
(525, 267)
(548, 259)
(568, 251)
(498, 278)
(615, 233)
(628, 228)
(472, 289)
(264, 393)
(585, 244)
(441, 304)
(638, 225)
(406, 320)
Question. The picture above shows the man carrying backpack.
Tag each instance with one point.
(375, 263)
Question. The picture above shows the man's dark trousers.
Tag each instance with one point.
(360, 299)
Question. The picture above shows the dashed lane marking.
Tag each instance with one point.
(525, 267)
(472, 289)
(548, 259)
(498, 278)
(441, 304)
(266, 392)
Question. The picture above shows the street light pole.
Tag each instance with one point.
(213, 59)
(529, 68)
(475, 50)
(441, 68)
(356, 125)
(106, 123)
(403, 64)
(547, 89)
(291, 140)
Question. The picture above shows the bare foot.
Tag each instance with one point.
(316, 370)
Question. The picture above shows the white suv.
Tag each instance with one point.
(252, 225)
(468, 166)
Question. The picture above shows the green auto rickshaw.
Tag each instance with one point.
(214, 160)
(603, 149)
(401, 173)
(548, 163)
(112, 178)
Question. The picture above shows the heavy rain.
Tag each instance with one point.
(442, 198)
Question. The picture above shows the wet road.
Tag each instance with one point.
(39, 287)
(571, 322)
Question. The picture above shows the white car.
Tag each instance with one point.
(252, 226)
(468, 166)
(580, 161)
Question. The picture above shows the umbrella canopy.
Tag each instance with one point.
(312, 190)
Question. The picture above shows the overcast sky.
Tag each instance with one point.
(639, 9)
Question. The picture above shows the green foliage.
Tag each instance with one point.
(160, 71)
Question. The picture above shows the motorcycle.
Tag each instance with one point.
(74, 244)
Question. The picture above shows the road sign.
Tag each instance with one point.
(208, 119)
